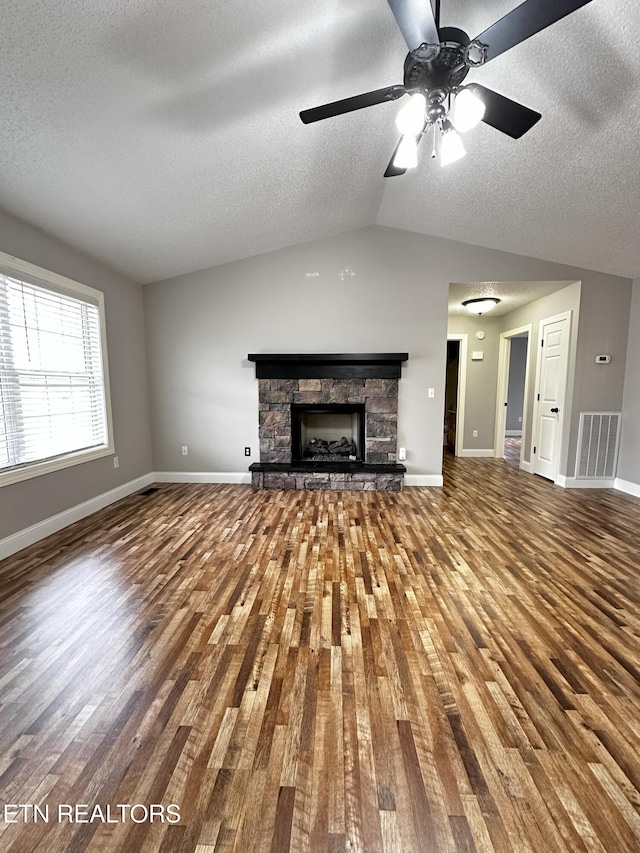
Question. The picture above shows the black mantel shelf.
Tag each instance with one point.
(357, 365)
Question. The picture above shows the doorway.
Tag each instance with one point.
(513, 403)
(455, 392)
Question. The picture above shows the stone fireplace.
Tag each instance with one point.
(328, 421)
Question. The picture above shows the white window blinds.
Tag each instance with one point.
(52, 390)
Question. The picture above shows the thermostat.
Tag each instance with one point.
(603, 359)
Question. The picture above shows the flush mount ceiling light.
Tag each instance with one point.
(435, 69)
(481, 305)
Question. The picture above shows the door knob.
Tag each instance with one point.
(555, 411)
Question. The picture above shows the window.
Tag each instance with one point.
(54, 403)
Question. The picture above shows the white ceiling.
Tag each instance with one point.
(164, 137)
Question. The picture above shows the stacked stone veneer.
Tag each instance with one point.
(380, 399)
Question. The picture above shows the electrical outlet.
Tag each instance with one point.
(402, 453)
(185, 450)
(247, 451)
(431, 392)
(116, 462)
(475, 433)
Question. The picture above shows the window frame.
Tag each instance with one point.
(31, 274)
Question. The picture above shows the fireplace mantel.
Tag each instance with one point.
(386, 365)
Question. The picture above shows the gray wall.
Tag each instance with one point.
(604, 328)
(32, 501)
(515, 388)
(600, 324)
(482, 377)
(629, 460)
(201, 326)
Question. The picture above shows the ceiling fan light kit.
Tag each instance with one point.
(438, 62)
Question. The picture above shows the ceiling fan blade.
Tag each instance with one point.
(347, 105)
(504, 114)
(524, 21)
(416, 21)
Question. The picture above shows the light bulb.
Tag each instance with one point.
(410, 119)
(407, 153)
(451, 148)
(468, 111)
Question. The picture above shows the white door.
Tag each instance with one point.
(554, 358)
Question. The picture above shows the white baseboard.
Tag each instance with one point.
(526, 466)
(575, 483)
(468, 454)
(513, 433)
(23, 538)
(627, 486)
(423, 480)
(202, 477)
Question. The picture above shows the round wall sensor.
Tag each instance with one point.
(480, 336)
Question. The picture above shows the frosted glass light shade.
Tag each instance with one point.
(481, 306)
(410, 119)
(451, 148)
(468, 111)
(407, 153)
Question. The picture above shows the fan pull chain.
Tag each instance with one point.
(434, 152)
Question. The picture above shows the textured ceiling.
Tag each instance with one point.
(164, 137)
(512, 294)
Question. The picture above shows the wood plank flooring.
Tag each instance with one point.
(438, 670)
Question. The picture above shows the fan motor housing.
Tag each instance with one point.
(446, 71)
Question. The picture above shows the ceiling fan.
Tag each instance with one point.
(438, 61)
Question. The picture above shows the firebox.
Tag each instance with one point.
(329, 432)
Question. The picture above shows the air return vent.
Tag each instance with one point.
(598, 439)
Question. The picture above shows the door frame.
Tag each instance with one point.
(462, 388)
(568, 316)
(504, 360)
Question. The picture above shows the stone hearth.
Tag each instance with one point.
(377, 393)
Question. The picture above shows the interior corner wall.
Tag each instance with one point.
(629, 459)
(377, 289)
(603, 330)
(35, 500)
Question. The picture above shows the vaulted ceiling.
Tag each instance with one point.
(164, 137)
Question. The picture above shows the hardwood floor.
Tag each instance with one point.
(436, 670)
(512, 445)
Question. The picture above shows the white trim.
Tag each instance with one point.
(513, 433)
(526, 466)
(627, 487)
(468, 454)
(242, 477)
(423, 480)
(462, 389)
(578, 483)
(504, 360)
(30, 535)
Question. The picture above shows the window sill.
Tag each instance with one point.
(17, 475)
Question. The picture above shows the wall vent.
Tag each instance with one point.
(598, 440)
